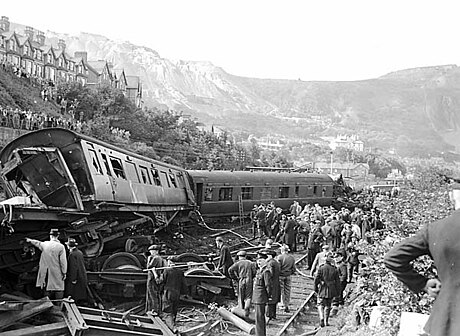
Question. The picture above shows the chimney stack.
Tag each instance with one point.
(41, 38)
(30, 33)
(61, 44)
(83, 55)
(4, 24)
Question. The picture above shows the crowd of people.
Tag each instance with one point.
(327, 235)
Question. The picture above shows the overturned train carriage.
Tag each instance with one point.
(103, 196)
(232, 193)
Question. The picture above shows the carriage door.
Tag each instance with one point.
(101, 180)
(199, 193)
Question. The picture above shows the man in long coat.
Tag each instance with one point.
(440, 240)
(289, 237)
(225, 258)
(263, 284)
(274, 268)
(77, 280)
(52, 268)
(244, 271)
(327, 287)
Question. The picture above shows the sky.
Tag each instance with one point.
(338, 40)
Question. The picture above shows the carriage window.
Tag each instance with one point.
(106, 164)
(208, 194)
(266, 193)
(156, 177)
(165, 178)
(117, 167)
(145, 177)
(246, 193)
(180, 180)
(131, 171)
(324, 191)
(296, 191)
(95, 165)
(315, 190)
(309, 190)
(172, 177)
(283, 192)
(225, 194)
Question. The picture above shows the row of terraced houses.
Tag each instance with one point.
(35, 58)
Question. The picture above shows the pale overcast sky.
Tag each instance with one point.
(310, 40)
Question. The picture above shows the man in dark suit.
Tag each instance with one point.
(263, 284)
(274, 267)
(225, 258)
(440, 240)
(327, 287)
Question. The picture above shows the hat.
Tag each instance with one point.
(54, 232)
(71, 242)
(219, 239)
(261, 255)
(155, 247)
(242, 253)
(270, 252)
(325, 247)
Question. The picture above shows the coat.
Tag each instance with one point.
(263, 284)
(53, 261)
(225, 260)
(289, 232)
(274, 268)
(327, 283)
(76, 272)
(440, 240)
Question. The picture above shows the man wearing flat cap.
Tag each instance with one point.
(52, 268)
(76, 281)
(244, 272)
(154, 289)
(440, 240)
(263, 286)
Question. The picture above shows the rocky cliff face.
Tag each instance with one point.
(412, 111)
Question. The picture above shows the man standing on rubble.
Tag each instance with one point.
(225, 258)
(244, 271)
(154, 260)
(76, 281)
(273, 267)
(173, 280)
(52, 268)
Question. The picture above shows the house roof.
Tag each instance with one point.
(98, 66)
(339, 165)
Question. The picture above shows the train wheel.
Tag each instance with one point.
(187, 257)
(121, 260)
(93, 248)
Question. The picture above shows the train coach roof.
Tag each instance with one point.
(60, 138)
(242, 177)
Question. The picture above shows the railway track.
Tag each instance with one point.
(303, 316)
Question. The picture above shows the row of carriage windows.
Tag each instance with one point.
(130, 171)
(247, 193)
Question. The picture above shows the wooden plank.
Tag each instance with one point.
(52, 329)
(30, 309)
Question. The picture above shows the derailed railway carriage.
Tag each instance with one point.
(101, 195)
(223, 193)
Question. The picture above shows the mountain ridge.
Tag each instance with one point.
(412, 111)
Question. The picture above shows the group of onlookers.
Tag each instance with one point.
(330, 237)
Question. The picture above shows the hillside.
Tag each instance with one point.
(414, 111)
